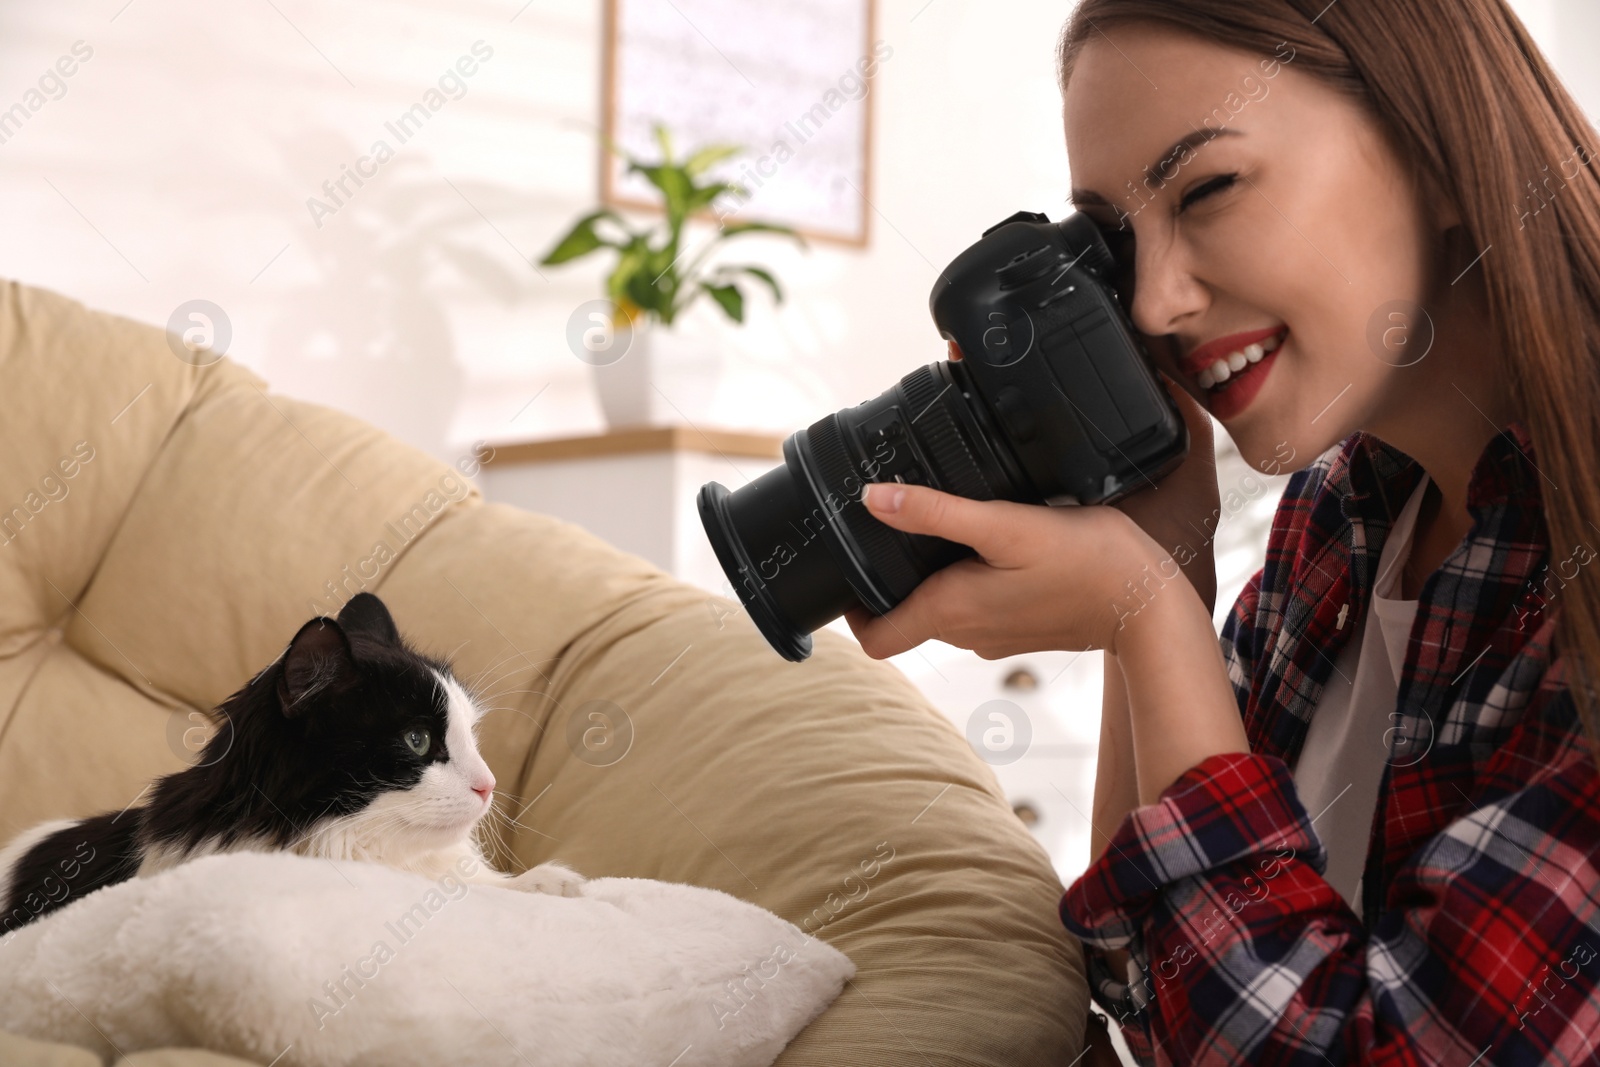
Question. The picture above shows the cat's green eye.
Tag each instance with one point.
(417, 740)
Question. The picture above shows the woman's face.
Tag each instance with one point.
(1288, 222)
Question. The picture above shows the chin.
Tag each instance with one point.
(1271, 453)
(440, 834)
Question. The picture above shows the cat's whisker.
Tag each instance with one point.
(531, 830)
(476, 684)
(514, 710)
(489, 828)
(491, 701)
(496, 663)
(486, 690)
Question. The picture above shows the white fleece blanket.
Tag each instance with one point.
(292, 961)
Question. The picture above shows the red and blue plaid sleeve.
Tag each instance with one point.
(1244, 954)
(1124, 995)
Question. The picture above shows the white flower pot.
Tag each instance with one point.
(666, 376)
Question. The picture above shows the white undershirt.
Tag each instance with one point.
(1346, 745)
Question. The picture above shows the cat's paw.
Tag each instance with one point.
(552, 878)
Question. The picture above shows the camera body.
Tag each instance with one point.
(1086, 416)
(1054, 401)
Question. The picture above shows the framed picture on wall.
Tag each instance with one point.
(792, 82)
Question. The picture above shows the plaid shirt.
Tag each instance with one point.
(1480, 942)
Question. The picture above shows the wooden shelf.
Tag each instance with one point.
(628, 440)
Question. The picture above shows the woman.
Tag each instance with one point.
(1365, 826)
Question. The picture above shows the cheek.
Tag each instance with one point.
(1370, 234)
(1319, 385)
(1326, 376)
(453, 781)
(465, 760)
(438, 781)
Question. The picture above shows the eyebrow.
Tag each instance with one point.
(1080, 197)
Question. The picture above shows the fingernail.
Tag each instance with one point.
(885, 498)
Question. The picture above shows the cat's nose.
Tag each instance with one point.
(483, 789)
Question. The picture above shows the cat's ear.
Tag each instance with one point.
(366, 614)
(318, 660)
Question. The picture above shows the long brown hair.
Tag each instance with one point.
(1467, 99)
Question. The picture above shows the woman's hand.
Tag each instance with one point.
(1181, 512)
(1045, 578)
(1053, 578)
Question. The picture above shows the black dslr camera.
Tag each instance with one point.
(1054, 401)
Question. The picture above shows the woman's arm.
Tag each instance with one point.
(1116, 790)
(1117, 783)
(1181, 706)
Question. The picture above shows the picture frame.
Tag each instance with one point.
(793, 83)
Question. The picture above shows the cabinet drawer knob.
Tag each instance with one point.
(1021, 678)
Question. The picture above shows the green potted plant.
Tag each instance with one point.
(653, 281)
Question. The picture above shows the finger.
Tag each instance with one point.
(858, 619)
(1194, 414)
(921, 509)
(933, 611)
(880, 636)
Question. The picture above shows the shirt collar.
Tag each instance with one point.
(1377, 478)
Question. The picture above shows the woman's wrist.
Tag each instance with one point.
(1149, 569)
(1181, 705)
(1201, 571)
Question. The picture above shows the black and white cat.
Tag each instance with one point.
(350, 745)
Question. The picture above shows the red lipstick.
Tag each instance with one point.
(1211, 351)
(1231, 397)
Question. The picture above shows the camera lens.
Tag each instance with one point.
(769, 512)
(798, 542)
(1058, 405)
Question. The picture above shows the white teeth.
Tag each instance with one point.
(1235, 362)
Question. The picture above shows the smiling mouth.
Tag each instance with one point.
(1219, 376)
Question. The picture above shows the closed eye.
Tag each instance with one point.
(1205, 189)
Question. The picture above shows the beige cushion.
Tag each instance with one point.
(213, 518)
(180, 1057)
(18, 1051)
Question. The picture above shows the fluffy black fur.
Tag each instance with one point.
(319, 733)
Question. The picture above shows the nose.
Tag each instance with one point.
(484, 787)
(1165, 293)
